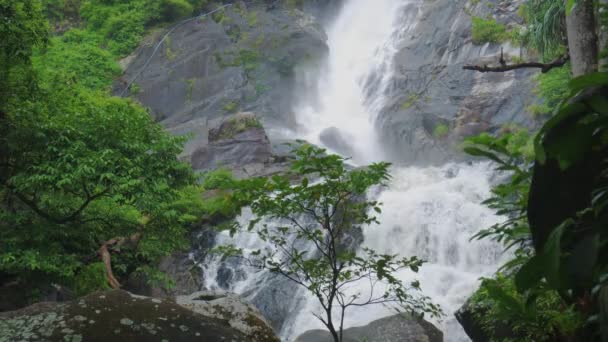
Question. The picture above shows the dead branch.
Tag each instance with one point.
(545, 67)
(106, 257)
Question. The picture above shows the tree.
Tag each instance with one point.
(307, 225)
(584, 32)
(82, 173)
(562, 242)
(582, 36)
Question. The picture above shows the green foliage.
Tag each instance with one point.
(175, 9)
(220, 203)
(22, 30)
(321, 213)
(90, 278)
(487, 31)
(552, 87)
(77, 55)
(66, 185)
(73, 185)
(545, 26)
(512, 153)
(122, 24)
(562, 274)
(537, 317)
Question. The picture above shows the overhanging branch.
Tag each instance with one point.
(545, 67)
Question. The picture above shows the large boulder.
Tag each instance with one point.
(389, 329)
(241, 315)
(466, 317)
(114, 316)
(239, 141)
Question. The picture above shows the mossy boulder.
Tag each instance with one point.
(114, 316)
(235, 125)
(239, 143)
(241, 315)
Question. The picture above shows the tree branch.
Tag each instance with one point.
(106, 257)
(60, 220)
(545, 67)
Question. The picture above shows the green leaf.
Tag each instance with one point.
(477, 152)
(580, 83)
(552, 254)
(583, 258)
(530, 274)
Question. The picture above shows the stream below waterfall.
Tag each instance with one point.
(431, 212)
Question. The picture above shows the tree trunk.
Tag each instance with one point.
(106, 257)
(582, 38)
(603, 33)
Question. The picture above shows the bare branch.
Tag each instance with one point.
(545, 67)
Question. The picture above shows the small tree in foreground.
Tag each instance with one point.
(306, 226)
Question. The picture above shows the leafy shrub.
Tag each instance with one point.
(552, 86)
(531, 318)
(89, 279)
(77, 53)
(487, 31)
(175, 9)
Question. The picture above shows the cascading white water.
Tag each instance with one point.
(360, 46)
(429, 212)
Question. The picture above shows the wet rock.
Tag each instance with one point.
(429, 88)
(277, 299)
(241, 315)
(240, 140)
(240, 59)
(389, 329)
(186, 275)
(466, 318)
(114, 316)
(337, 140)
(474, 329)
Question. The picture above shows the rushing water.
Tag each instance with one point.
(430, 212)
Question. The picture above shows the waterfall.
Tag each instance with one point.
(431, 212)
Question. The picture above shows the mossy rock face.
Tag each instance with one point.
(113, 315)
(235, 125)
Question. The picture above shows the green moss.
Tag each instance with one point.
(169, 53)
(441, 131)
(487, 31)
(190, 83)
(410, 101)
(252, 18)
(236, 125)
(134, 89)
(231, 107)
(220, 17)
